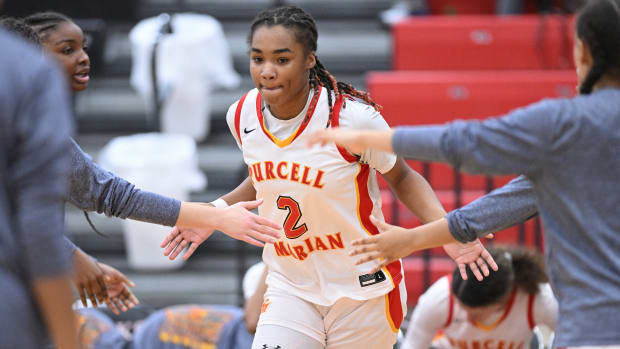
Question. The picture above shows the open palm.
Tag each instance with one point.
(179, 238)
(472, 254)
(120, 298)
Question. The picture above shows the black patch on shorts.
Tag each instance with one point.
(371, 279)
(265, 346)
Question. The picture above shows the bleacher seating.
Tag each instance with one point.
(467, 67)
(483, 42)
(453, 7)
(427, 97)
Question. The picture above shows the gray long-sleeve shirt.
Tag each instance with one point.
(35, 126)
(92, 188)
(568, 149)
(512, 204)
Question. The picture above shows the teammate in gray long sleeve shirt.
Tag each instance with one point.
(35, 127)
(568, 149)
(92, 188)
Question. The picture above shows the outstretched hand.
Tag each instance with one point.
(235, 221)
(390, 244)
(88, 278)
(395, 242)
(179, 238)
(239, 223)
(472, 254)
(120, 298)
(349, 139)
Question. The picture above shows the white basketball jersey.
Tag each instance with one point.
(323, 197)
(513, 330)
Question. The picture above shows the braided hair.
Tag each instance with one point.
(304, 27)
(598, 26)
(19, 27)
(44, 23)
(519, 267)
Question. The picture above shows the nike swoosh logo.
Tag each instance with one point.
(246, 131)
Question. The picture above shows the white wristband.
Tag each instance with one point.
(219, 203)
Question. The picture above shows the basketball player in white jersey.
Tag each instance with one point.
(498, 313)
(316, 296)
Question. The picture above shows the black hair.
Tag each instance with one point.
(598, 26)
(46, 22)
(519, 267)
(304, 26)
(19, 27)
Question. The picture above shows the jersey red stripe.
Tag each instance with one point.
(451, 302)
(238, 116)
(336, 110)
(396, 307)
(530, 311)
(365, 210)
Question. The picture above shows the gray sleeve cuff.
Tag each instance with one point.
(419, 142)
(459, 228)
(154, 208)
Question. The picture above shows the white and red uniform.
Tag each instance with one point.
(439, 321)
(323, 196)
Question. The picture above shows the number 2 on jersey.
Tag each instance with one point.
(291, 227)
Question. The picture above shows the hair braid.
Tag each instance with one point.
(18, 26)
(598, 68)
(306, 33)
(45, 22)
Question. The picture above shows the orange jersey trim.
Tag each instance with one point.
(499, 321)
(284, 142)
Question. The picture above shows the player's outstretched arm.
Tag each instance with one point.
(395, 242)
(415, 192)
(197, 221)
(356, 141)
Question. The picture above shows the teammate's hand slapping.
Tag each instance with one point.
(120, 298)
(395, 242)
(235, 221)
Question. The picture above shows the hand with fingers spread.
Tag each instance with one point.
(472, 254)
(235, 221)
(239, 223)
(390, 244)
(88, 278)
(120, 298)
(180, 238)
